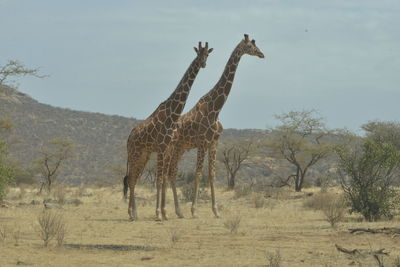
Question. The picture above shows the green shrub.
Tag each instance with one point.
(367, 175)
(6, 172)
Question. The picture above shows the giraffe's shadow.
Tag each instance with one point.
(113, 247)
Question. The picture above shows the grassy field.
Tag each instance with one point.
(100, 234)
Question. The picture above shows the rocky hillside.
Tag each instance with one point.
(100, 139)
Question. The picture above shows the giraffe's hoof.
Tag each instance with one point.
(180, 216)
(132, 219)
(195, 216)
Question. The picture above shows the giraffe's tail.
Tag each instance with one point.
(126, 186)
(125, 181)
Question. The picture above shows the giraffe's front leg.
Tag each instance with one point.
(199, 168)
(161, 188)
(172, 179)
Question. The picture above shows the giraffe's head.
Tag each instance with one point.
(249, 47)
(202, 54)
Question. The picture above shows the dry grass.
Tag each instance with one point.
(100, 234)
(274, 259)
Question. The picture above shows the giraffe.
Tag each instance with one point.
(200, 128)
(155, 134)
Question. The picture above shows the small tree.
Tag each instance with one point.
(367, 173)
(233, 157)
(16, 68)
(300, 141)
(52, 156)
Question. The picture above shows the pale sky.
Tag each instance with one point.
(340, 57)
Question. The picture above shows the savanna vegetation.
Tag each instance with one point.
(299, 194)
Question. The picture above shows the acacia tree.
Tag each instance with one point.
(383, 132)
(52, 157)
(16, 68)
(232, 156)
(299, 140)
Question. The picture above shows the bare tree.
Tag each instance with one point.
(299, 141)
(232, 157)
(52, 156)
(16, 68)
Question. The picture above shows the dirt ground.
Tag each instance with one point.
(100, 234)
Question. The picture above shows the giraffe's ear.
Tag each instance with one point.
(210, 50)
(195, 49)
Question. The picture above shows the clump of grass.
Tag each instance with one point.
(232, 223)
(60, 194)
(16, 236)
(51, 225)
(397, 261)
(81, 191)
(175, 235)
(3, 233)
(259, 201)
(76, 202)
(274, 259)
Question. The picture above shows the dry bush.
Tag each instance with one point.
(242, 190)
(259, 201)
(274, 259)
(188, 193)
(318, 201)
(332, 205)
(334, 210)
(232, 223)
(50, 225)
(60, 235)
(277, 193)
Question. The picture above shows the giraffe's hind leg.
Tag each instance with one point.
(199, 169)
(212, 157)
(137, 162)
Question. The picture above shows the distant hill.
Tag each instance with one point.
(100, 139)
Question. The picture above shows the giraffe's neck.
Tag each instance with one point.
(219, 93)
(179, 96)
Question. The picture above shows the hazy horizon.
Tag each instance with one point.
(341, 58)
